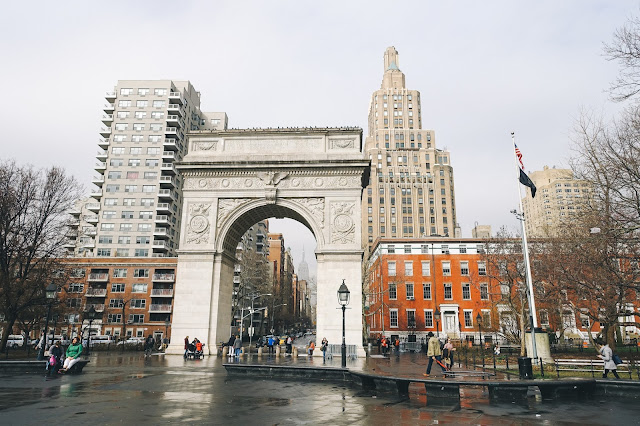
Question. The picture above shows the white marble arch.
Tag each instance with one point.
(314, 176)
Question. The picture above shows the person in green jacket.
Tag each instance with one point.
(73, 354)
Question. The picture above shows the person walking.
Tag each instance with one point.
(434, 353)
(148, 345)
(230, 343)
(312, 346)
(323, 347)
(396, 344)
(289, 343)
(270, 342)
(186, 346)
(607, 356)
(237, 345)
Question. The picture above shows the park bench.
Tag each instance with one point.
(78, 366)
(592, 365)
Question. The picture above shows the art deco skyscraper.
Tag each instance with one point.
(411, 192)
(135, 210)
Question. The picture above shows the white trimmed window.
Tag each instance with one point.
(393, 318)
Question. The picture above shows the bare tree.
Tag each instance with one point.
(625, 49)
(33, 225)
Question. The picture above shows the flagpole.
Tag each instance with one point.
(532, 304)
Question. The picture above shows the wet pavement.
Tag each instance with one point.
(131, 389)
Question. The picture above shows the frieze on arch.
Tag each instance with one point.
(343, 227)
(227, 205)
(198, 225)
(257, 180)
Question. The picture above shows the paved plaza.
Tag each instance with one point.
(130, 389)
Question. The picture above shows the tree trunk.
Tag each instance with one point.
(6, 332)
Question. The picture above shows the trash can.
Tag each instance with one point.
(525, 368)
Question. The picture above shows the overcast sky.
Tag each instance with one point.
(484, 69)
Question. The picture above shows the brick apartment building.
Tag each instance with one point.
(445, 285)
(138, 291)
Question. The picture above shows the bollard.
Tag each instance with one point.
(260, 351)
(294, 352)
(369, 348)
(277, 351)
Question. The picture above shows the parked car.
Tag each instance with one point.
(132, 341)
(100, 340)
(15, 341)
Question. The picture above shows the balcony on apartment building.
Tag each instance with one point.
(96, 292)
(99, 307)
(158, 308)
(90, 218)
(164, 276)
(174, 120)
(100, 167)
(168, 168)
(167, 181)
(94, 207)
(104, 143)
(74, 223)
(105, 132)
(171, 131)
(161, 292)
(90, 232)
(162, 220)
(110, 96)
(176, 98)
(98, 180)
(170, 144)
(160, 245)
(168, 156)
(163, 207)
(161, 233)
(166, 194)
(96, 193)
(175, 109)
(107, 119)
(102, 155)
(101, 277)
(109, 108)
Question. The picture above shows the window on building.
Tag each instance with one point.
(484, 292)
(141, 273)
(158, 104)
(426, 291)
(426, 268)
(138, 303)
(391, 269)
(126, 226)
(466, 291)
(141, 253)
(448, 293)
(464, 268)
(117, 288)
(139, 288)
(468, 319)
(446, 268)
(126, 214)
(136, 319)
(408, 269)
(114, 318)
(393, 318)
(428, 318)
(120, 273)
(544, 318)
(486, 319)
(482, 268)
(76, 288)
(143, 240)
(393, 291)
(409, 287)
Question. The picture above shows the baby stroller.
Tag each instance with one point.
(194, 350)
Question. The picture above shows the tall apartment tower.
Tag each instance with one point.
(559, 198)
(136, 208)
(411, 192)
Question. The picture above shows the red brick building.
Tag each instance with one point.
(137, 290)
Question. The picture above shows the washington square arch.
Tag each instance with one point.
(236, 178)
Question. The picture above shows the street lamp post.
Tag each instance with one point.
(251, 312)
(91, 316)
(437, 315)
(343, 299)
(50, 293)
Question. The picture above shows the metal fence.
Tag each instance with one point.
(352, 351)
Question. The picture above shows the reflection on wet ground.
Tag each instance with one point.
(132, 389)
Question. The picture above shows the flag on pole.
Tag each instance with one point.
(524, 178)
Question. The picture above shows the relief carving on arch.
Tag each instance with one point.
(227, 205)
(343, 227)
(315, 206)
(198, 225)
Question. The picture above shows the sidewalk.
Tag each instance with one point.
(410, 365)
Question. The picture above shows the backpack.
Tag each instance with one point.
(616, 359)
